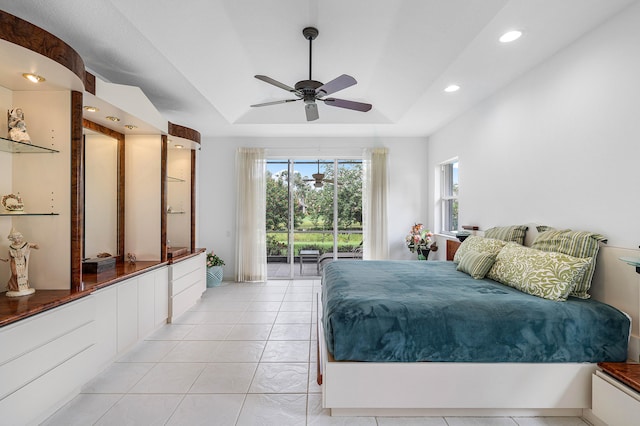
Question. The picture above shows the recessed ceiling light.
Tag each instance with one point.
(112, 118)
(130, 126)
(510, 36)
(452, 88)
(91, 108)
(34, 78)
(179, 146)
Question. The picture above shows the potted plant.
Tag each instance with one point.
(214, 269)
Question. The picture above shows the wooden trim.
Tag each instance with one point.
(193, 201)
(121, 197)
(183, 132)
(89, 83)
(452, 248)
(119, 137)
(29, 36)
(77, 191)
(163, 200)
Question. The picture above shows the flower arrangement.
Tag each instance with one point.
(214, 260)
(419, 238)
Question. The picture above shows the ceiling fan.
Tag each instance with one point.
(318, 178)
(311, 91)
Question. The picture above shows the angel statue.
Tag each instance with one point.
(17, 126)
(19, 252)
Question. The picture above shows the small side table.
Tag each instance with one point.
(616, 393)
(309, 254)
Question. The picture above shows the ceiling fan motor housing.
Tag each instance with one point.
(308, 89)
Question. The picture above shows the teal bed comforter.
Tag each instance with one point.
(407, 311)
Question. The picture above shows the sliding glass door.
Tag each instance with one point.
(314, 215)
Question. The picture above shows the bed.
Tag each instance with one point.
(421, 338)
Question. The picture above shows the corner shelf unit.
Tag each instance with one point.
(15, 147)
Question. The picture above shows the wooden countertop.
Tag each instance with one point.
(627, 373)
(13, 309)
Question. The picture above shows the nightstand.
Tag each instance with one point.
(616, 393)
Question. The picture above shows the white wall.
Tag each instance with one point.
(142, 196)
(560, 146)
(217, 197)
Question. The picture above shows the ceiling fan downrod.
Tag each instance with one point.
(310, 33)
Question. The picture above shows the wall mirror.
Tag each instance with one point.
(103, 169)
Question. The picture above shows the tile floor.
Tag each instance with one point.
(244, 355)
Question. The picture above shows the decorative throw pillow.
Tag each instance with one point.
(508, 233)
(549, 275)
(479, 244)
(476, 264)
(580, 244)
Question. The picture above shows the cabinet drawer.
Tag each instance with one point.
(32, 333)
(181, 284)
(613, 402)
(33, 364)
(184, 267)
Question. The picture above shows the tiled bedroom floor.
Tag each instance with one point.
(244, 355)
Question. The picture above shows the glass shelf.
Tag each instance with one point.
(27, 214)
(633, 261)
(174, 179)
(176, 212)
(7, 145)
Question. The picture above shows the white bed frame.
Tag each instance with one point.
(452, 389)
(470, 389)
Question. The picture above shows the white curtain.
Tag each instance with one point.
(374, 200)
(251, 250)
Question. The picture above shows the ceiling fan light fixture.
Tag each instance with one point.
(452, 88)
(510, 36)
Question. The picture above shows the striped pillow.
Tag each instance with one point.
(476, 264)
(579, 244)
(479, 244)
(508, 233)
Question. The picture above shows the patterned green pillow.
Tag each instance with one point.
(548, 275)
(580, 244)
(508, 233)
(479, 244)
(476, 264)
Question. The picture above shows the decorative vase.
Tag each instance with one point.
(423, 253)
(214, 276)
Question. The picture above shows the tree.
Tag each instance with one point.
(277, 214)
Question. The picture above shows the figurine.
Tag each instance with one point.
(19, 252)
(131, 257)
(17, 126)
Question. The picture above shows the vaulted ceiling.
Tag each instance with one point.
(196, 59)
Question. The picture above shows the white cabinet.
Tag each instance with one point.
(161, 313)
(187, 282)
(146, 303)
(613, 402)
(44, 360)
(106, 346)
(127, 318)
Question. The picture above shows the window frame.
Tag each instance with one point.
(449, 196)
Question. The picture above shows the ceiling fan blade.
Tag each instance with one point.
(275, 102)
(312, 111)
(342, 103)
(335, 85)
(276, 83)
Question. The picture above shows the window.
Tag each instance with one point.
(449, 199)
